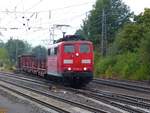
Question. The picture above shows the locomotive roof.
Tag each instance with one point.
(70, 42)
(80, 41)
(70, 39)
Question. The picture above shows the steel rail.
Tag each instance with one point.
(86, 107)
(117, 97)
(113, 100)
(35, 100)
(122, 85)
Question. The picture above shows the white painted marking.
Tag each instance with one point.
(67, 61)
(86, 61)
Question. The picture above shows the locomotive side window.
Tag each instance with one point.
(49, 52)
(84, 48)
(52, 52)
(69, 48)
(55, 50)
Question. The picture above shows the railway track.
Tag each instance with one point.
(29, 77)
(34, 99)
(82, 106)
(125, 102)
(123, 85)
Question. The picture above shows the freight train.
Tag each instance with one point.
(70, 59)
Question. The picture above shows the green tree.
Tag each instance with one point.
(40, 52)
(131, 51)
(117, 13)
(128, 39)
(1, 44)
(4, 57)
(16, 47)
(80, 32)
(143, 18)
(145, 53)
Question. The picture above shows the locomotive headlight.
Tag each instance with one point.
(77, 54)
(69, 68)
(85, 69)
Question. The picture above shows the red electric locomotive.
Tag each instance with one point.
(69, 59)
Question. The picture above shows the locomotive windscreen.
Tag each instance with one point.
(84, 48)
(69, 48)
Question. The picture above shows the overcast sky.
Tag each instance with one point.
(138, 5)
(30, 20)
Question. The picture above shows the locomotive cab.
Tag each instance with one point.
(73, 61)
(77, 62)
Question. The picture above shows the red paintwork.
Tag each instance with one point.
(56, 65)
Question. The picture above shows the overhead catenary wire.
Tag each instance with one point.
(22, 5)
(35, 13)
(33, 6)
(47, 23)
(34, 24)
(96, 22)
(43, 11)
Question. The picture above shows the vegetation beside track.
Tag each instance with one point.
(13, 48)
(129, 55)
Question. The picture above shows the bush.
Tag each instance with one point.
(141, 73)
(125, 66)
(130, 50)
(102, 64)
(144, 51)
